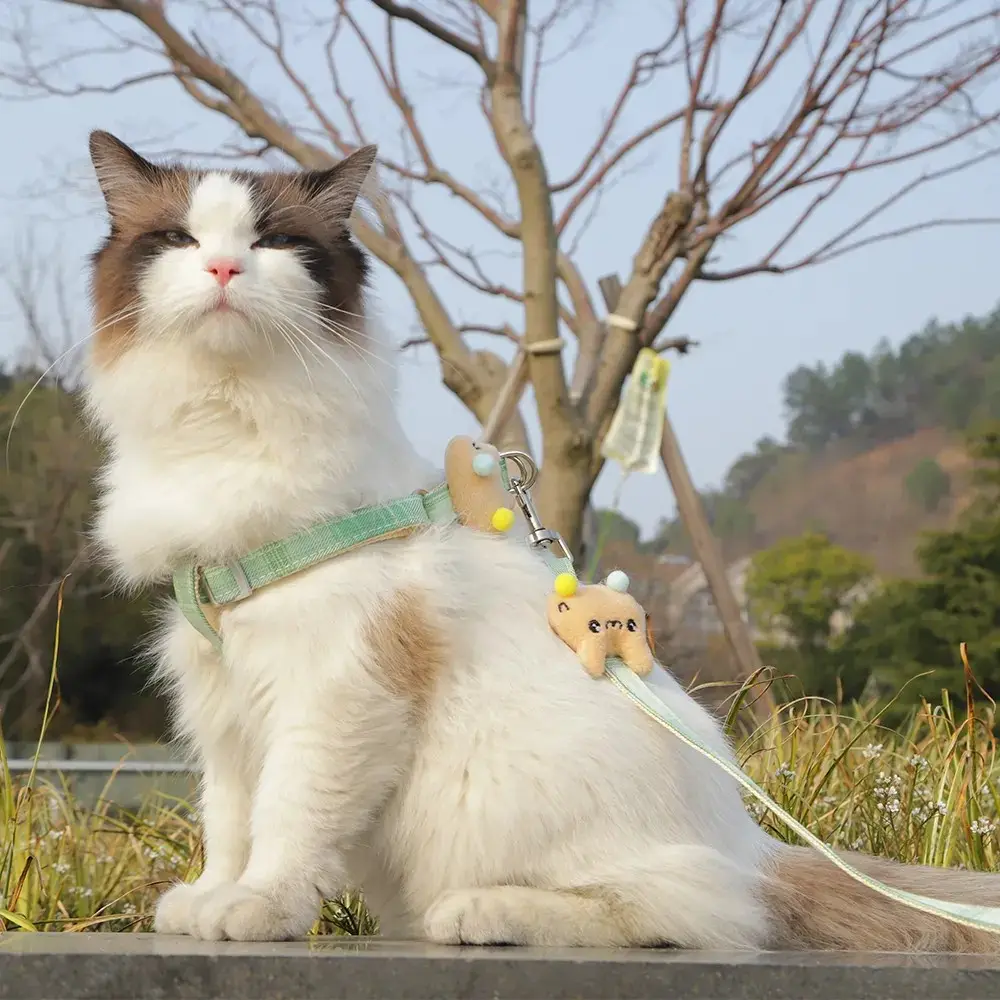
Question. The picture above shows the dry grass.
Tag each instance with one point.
(926, 794)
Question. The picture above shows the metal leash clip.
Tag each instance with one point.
(519, 485)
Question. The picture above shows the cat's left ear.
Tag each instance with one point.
(335, 191)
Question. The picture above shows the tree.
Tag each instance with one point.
(779, 107)
(914, 627)
(798, 585)
(746, 473)
(795, 590)
(46, 495)
(928, 484)
(832, 92)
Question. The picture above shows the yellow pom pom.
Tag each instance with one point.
(566, 584)
(502, 519)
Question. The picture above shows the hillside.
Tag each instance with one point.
(859, 500)
(873, 451)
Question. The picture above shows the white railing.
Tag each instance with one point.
(18, 765)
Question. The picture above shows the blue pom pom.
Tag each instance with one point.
(484, 464)
(618, 581)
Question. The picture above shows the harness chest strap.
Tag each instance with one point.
(203, 591)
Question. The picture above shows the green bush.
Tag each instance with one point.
(928, 484)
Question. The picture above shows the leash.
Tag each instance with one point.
(984, 918)
(633, 687)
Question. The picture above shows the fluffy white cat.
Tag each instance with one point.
(400, 719)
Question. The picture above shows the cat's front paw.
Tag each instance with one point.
(241, 913)
(175, 909)
(469, 916)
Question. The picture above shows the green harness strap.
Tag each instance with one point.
(198, 587)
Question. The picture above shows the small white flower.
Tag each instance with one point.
(983, 825)
(872, 751)
(858, 844)
(785, 772)
(918, 761)
(128, 908)
(61, 867)
(941, 807)
(56, 834)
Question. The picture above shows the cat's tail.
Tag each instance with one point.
(814, 905)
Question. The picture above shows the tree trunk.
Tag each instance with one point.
(706, 551)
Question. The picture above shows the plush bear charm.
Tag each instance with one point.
(598, 621)
(472, 472)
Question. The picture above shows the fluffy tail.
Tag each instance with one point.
(814, 905)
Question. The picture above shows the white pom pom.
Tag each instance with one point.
(617, 580)
(484, 464)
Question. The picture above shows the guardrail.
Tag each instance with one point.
(122, 774)
(75, 765)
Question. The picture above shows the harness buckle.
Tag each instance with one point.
(518, 487)
(243, 588)
(240, 579)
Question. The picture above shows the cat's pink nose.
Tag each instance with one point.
(224, 269)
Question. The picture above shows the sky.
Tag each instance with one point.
(722, 397)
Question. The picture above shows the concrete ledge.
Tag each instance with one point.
(144, 967)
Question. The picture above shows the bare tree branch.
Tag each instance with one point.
(816, 98)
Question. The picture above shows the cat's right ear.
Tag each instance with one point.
(334, 191)
(121, 172)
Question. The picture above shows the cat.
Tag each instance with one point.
(400, 719)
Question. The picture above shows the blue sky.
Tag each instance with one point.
(752, 332)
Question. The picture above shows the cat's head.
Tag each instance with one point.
(234, 262)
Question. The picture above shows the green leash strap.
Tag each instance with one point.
(983, 918)
(197, 587)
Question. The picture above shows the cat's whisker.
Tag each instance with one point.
(345, 338)
(41, 378)
(340, 330)
(323, 306)
(289, 338)
(343, 371)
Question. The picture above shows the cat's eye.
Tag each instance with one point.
(278, 241)
(176, 238)
(594, 625)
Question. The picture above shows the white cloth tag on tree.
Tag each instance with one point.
(633, 439)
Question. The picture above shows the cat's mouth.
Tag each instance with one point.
(224, 305)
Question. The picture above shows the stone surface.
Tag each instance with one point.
(112, 966)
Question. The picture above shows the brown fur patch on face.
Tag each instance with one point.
(307, 212)
(814, 905)
(143, 204)
(408, 648)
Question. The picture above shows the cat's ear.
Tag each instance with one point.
(336, 190)
(121, 172)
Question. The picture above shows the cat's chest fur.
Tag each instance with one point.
(227, 464)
